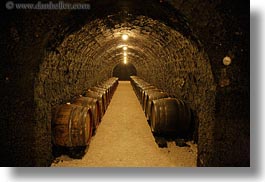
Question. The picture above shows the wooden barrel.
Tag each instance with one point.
(152, 95)
(170, 116)
(104, 95)
(133, 77)
(146, 89)
(99, 97)
(111, 84)
(95, 108)
(114, 81)
(145, 93)
(136, 83)
(105, 88)
(71, 126)
(140, 87)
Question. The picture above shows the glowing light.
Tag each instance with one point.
(125, 54)
(124, 37)
(125, 60)
(227, 61)
(125, 48)
(121, 46)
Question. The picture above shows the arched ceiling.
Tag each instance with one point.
(151, 44)
(160, 53)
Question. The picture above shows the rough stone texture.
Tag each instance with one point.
(21, 51)
(48, 57)
(223, 29)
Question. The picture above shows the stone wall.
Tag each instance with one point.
(223, 29)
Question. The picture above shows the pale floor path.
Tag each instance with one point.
(124, 139)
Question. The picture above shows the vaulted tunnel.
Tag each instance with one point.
(78, 50)
(96, 49)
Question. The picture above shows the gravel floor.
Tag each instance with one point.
(124, 139)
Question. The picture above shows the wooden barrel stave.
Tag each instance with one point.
(104, 95)
(99, 97)
(170, 116)
(95, 108)
(72, 126)
(150, 97)
(145, 94)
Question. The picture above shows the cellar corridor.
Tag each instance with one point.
(57, 74)
(124, 139)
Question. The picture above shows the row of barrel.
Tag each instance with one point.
(74, 123)
(166, 114)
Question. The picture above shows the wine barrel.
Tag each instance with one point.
(71, 126)
(136, 83)
(133, 77)
(105, 88)
(112, 83)
(152, 95)
(99, 97)
(95, 108)
(104, 95)
(141, 87)
(145, 93)
(170, 116)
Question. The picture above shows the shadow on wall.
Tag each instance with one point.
(124, 71)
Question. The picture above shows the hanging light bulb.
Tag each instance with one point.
(125, 54)
(124, 37)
